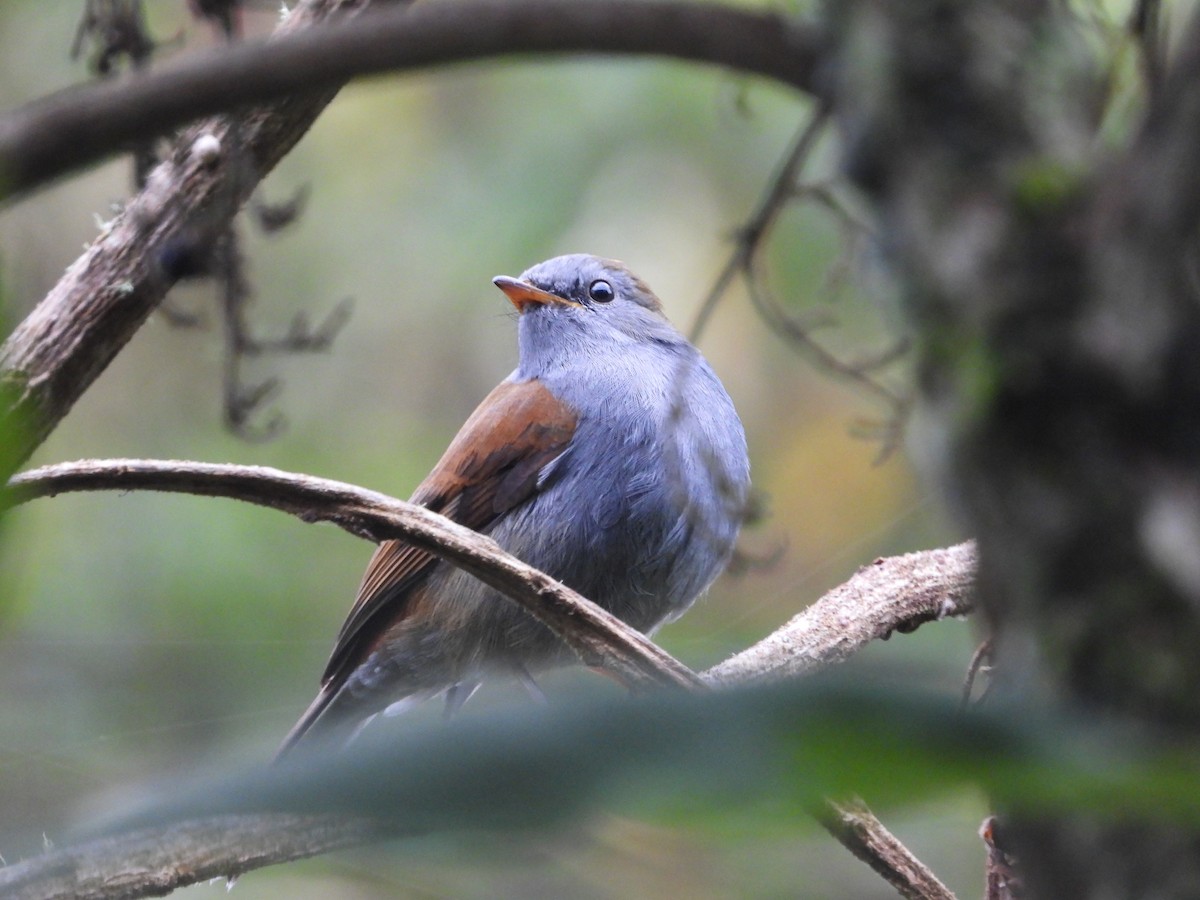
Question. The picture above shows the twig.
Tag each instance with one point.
(980, 662)
(857, 829)
(1145, 26)
(799, 335)
(272, 216)
(225, 16)
(164, 233)
(242, 400)
(852, 226)
(159, 860)
(118, 30)
(600, 639)
(780, 188)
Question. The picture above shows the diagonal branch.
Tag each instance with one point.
(856, 827)
(55, 354)
(779, 190)
(897, 594)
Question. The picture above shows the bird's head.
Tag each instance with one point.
(584, 303)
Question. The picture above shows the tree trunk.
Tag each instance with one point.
(1059, 333)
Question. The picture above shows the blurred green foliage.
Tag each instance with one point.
(755, 756)
(144, 636)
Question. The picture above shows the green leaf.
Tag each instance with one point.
(776, 750)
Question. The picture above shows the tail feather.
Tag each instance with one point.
(327, 721)
(304, 726)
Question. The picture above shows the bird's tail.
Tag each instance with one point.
(332, 722)
(316, 710)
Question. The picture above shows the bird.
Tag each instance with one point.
(611, 458)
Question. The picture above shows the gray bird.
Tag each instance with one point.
(611, 458)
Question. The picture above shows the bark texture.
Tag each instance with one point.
(1054, 297)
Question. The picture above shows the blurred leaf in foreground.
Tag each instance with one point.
(773, 751)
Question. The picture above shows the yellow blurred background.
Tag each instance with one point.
(145, 636)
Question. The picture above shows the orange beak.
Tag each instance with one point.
(523, 295)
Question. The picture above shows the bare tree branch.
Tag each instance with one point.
(80, 125)
(798, 333)
(599, 638)
(1145, 25)
(865, 836)
(56, 353)
(156, 861)
(743, 260)
(117, 29)
(899, 593)
(780, 189)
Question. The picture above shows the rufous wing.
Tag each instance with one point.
(491, 466)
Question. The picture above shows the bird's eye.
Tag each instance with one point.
(601, 291)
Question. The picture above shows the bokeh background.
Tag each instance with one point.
(143, 638)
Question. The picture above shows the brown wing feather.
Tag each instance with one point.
(491, 466)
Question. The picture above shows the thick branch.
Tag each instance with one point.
(80, 125)
(599, 638)
(895, 594)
